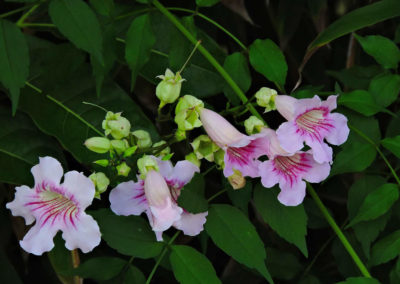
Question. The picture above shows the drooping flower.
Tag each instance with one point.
(290, 170)
(55, 207)
(241, 151)
(311, 121)
(266, 98)
(157, 195)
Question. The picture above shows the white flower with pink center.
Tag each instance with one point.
(311, 121)
(289, 170)
(241, 151)
(157, 195)
(56, 207)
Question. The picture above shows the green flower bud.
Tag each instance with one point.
(130, 151)
(237, 180)
(101, 183)
(116, 125)
(180, 135)
(98, 144)
(253, 125)
(203, 147)
(103, 163)
(219, 158)
(193, 159)
(123, 169)
(165, 151)
(187, 112)
(169, 88)
(142, 138)
(266, 98)
(145, 164)
(119, 145)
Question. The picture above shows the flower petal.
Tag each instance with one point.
(182, 173)
(49, 170)
(80, 188)
(339, 134)
(128, 198)
(39, 239)
(330, 102)
(321, 151)
(23, 195)
(165, 216)
(84, 235)
(289, 138)
(165, 167)
(236, 158)
(317, 172)
(191, 224)
(292, 195)
(286, 106)
(268, 173)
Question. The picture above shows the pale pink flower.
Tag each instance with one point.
(311, 121)
(157, 195)
(241, 151)
(290, 170)
(56, 207)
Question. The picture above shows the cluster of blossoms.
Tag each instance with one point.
(296, 152)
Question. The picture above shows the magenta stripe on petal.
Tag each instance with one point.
(314, 123)
(291, 168)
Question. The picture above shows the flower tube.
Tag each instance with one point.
(241, 151)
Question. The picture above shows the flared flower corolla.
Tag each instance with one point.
(289, 170)
(241, 151)
(56, 207)
(311, 121)
(157, 195)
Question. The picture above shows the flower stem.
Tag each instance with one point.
(75, 264)
(21, 20)
(14, 11)
(217, 194)
(209, 57)
(339, 233)
(369, 140)
(165, 249)
(195, 13)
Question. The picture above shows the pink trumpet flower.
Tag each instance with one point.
(157, 195)
(311, 121)
(241, 151)
(56, 207)
(289, 170)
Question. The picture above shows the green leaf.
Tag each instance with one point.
(128, 235)
(282, 265)
(14, 60)
(78, 23)
(366, 232)
(267, 59)
(61, 260)
(382, 49)
(386, 249)
(18, 156)
(360, 101)
(240, 198)
(393, 145)
(191, 267)
(206, 3)
(104, 7)
(377, 203)
(139, 41)
(359, 280)
(356, 77)
(71, 121)
(192, 196)
(385, 89)
(357, 19)
(181, 48)
(134, 276)
(357, 154)
(100, 268)
(232, 232)
(288, 222)
(236, 65)
(201, 81)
